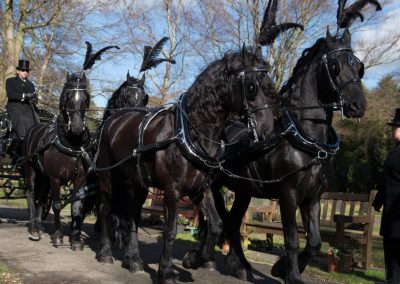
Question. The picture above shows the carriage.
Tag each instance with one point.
(11, 179)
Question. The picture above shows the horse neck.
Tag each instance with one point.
(314, 122)
(114, 103)
(206, 119)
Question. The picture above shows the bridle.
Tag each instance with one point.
(70, 112)
(325, 61)
(124, 91)
(249, 89)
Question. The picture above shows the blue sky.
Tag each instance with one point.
(113, 69)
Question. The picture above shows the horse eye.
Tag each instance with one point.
(251, 87)
(351, 60)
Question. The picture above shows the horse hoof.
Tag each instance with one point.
(169, 278)
(234, 267)
(191, 259)
(133, 266)
(77, 246)
(209, 265)
(57, 241)
(34, 236)
(278, 269)
(106, 259)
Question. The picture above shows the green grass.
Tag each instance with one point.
(375, 274)
(7, 275)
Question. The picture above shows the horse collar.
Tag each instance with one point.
(66, 149)
(306, 143)
(185, 144)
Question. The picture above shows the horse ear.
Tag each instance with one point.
(259, 52)
(127, 76)
(347, 36)
(328, 37)
(143, 78)
(68, 77)
(244, 53)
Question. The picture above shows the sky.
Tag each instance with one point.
(113, 70)
(374, 33)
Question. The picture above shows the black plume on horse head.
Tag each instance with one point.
(90, 57)
(150, 55)
(346, 16)
(269, 30)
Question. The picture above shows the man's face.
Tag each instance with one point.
(23, 74)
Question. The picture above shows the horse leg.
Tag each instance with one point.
(287, 266)
(205, 255)
(104, 254)
(132, 260)
(57, 236)
(165, 272)
(310, 214)
(42, 184)
(236, 263)
(33, 226)
(77, 213)
(76, 225)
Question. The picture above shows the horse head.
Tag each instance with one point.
(74, 102)
(343, 72)
(255, 88)
(132, 92)
(249, 80)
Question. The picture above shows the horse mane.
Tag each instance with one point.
(207, 86)
(302, 64)
(115, 102)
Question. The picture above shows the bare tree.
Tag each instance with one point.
(18, 18)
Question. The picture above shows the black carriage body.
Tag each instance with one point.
(11, 180)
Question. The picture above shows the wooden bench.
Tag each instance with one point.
(344, 216)
(156, 205)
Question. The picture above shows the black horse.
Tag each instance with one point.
(57, 157)
(56, 154)
(175, 149)
(130, 94)
(293, 164)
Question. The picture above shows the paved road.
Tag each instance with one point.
(40, 262)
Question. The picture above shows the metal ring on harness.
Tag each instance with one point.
(322, 154)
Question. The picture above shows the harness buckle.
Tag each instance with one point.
(322, 154)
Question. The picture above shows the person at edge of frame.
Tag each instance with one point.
(20, 105)
(388, 196)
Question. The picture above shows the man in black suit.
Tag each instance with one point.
(389, 197)
(20, 92)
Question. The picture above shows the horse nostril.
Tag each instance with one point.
(355, 106)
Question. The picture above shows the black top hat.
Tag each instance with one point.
(396, 119)
(23, 65)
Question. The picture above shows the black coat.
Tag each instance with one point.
(20, 111)
(389, 195)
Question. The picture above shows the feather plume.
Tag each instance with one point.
(150, 54)
(341, 5)
(90, 58)
(353, 12)
(269, 30)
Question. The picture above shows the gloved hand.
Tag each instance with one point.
(28, 96)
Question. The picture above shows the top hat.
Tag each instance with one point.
(396, 119)
(23, 65)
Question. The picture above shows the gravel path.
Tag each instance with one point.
(40, 262)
